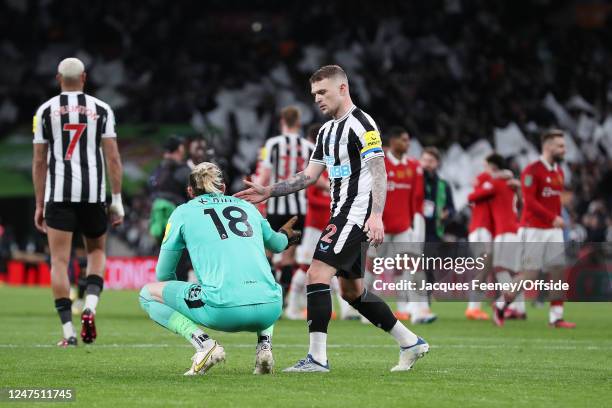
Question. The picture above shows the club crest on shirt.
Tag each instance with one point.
(528, 180)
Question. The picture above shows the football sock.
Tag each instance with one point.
(505, 278)
(200, 340)
(264, 339)
(375, 310)
(500, 303)
(64, 310)
(82, 285)
(519, 303)
(474, 305)
(319, 308)
(95, 284)
(402, 295)
(296, 291)
(265, 335)
(419, 302)
(172, 320)
(285, 278)
(556, 311)
(318, 347)
(344, 306)
(405, 338)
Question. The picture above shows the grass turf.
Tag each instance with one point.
(134, 362)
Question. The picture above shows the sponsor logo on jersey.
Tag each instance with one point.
(34, 123)
(340, 171)
(549, 192)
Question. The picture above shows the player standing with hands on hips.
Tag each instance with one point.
(350, 146)
(73, 133)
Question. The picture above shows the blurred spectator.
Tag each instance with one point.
(438, 207)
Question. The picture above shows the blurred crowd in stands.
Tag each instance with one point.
(465, 76)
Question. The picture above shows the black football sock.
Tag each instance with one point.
(64, 310)
(375, 310)
(95, 284)
(285, 279)
(318, 306)
(82, 285)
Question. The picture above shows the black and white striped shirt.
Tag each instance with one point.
(345, 145)
(73, 124)
(286, 155)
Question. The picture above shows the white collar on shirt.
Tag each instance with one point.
(548, 166)
(395, 161)
(348, 112)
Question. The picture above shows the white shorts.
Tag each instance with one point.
(480, 241)
(507, 249)
(542, 248)
(406, 243)
(306, 249)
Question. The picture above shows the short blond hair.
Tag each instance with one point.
(206, 178)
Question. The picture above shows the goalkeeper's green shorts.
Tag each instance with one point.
(186, 298)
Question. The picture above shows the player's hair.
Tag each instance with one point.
(328, 71)
(550, 134)
(291, 115)
(313, 131)
(497, 160)
(397, 131)
(432, 151)
(206, 178)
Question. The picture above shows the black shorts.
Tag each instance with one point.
(341, 246)
(277, 221)
(88, 218)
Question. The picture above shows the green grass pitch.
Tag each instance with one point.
(134, 362)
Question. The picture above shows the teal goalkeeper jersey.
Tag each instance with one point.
(225, 237)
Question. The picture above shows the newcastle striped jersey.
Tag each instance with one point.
(345, 145)
(73, 125)
(286, 155)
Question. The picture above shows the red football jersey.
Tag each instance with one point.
(319, 201)
(405, 193)
(541, 185)
(481, 209)
(501, 198)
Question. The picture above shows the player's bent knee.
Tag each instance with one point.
(350, 297)
(144, 298)
(320, 272)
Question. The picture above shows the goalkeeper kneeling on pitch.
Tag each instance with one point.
(226, 238)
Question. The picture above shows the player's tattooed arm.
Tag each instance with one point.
(379, 184)
(291, 185)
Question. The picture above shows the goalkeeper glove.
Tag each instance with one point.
(293, 237)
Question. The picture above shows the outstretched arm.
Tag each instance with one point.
(257, 193)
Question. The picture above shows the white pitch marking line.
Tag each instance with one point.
(287, 346)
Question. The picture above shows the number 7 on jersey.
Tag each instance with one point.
(78, 128)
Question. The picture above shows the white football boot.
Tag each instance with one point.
(264, 360)
(409, 355)
(204, 360)
(308, 365)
